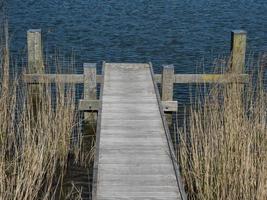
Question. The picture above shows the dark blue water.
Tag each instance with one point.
(186, 33)
(182, 32)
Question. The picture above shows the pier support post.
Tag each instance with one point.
(35, 51)
(167, 87)
(35, 66)
(5, 61)
(238, 50)
(238, 54)
(90, 94)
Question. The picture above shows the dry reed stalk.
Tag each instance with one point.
(35, 140)
(223, 146)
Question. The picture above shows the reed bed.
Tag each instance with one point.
(37, 126)
(223, 144)
(35, 138)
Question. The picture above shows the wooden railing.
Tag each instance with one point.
(35, 73)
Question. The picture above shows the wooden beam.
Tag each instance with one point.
(94, 105)
(89, 105)
(209, 78)
(169, 106)
(178, 78)
(205, 78)
(53, 78)
(57, 78)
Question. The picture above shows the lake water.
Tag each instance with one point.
(185, 33)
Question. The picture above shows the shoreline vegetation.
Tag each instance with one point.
(221, 148)
(223, 143)
(40, 139)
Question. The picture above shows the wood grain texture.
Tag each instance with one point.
(133, 155)
(89, 94)
(57, 78)
(238, 50)
(178, 78)
(167, 83)
(35, 52)
(206, 78)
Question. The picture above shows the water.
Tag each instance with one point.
(184, 33)
(188, 33)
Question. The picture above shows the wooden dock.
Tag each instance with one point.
(134, 159)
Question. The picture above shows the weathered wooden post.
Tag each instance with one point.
(237, 67)
(90, 93)
(5, 61)
(238, 50)
(35, 52)
(167, 87)
(35, 65)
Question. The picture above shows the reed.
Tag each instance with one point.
(223, 144)
(36, 139)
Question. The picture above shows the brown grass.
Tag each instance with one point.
(34, 143)
(223, 145)
(35, 139)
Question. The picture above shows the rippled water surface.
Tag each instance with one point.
(186, 33)
(182, 32)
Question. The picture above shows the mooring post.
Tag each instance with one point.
(5, 56)
(167, 87)
(35, 51)
(35, 66)
(238, 50)
(238, 55)
(90, 93)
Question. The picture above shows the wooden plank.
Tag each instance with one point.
(57, 78)
(93, 105)
(132, 138)
(206, 78)
(124, 169)
(141, 189)
(209, 78)
(134, 180)
(169, 106)
(137, 198)
(136, 159)
(89, 105)
(179, 78)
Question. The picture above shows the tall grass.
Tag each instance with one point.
(35, 138)
(34, 142)
(223, 145)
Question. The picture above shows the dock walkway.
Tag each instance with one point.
(133, 153)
